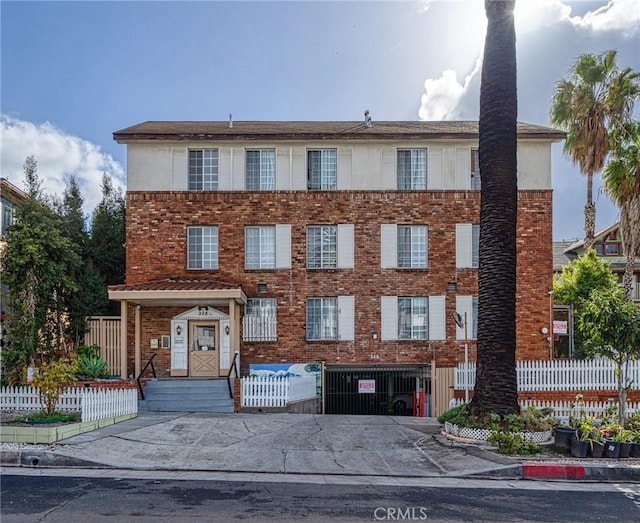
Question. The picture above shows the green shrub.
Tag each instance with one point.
(457, 415)
(92, 367)
(52, 379)
(89, 350)
(512, 443)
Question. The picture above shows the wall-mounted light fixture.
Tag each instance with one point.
(374, 335)
(178, 330)
(226, 330)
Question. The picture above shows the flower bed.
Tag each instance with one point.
(482, 435)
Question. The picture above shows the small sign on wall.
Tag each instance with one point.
(366, 386)
(560, 327)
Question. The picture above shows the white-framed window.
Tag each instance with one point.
(203, 170)
(412, 318)
(260, 247)
(467, 245)
(412, 246)
(475, 170)
(467, 306)
(412, 169)
(322, 171)
(322, 318)
(322, 247)
(260, 320)
(202, 247)
(261, 170)
(413, 314)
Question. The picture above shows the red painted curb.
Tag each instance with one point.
(533, 470)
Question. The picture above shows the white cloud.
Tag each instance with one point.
(616, 15)
(442, 95)
(59, 155)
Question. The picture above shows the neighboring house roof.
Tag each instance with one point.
(560, 255)
(565, 252)
(11, 192)
(247, 130)
(600, 235)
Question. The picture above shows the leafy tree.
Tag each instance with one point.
(52, 380)
(574, 285)
(496, 389)
(622, 183)
(35, 267)
(90, 295)
(108, 234)
(612, 327)
(593, 98)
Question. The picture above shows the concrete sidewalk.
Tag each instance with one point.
(392, 446)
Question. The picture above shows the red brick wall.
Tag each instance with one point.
(156, 249)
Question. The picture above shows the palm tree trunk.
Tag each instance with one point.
(589, 215)
(630, 236)
(496, 380)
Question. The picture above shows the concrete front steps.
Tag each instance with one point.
(187, 395)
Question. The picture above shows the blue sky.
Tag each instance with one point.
(74, 72)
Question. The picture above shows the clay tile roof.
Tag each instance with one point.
(176, 285)
(253, 130)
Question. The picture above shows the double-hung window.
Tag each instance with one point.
(322, 170)
(322, 247)
(261, 170)
(412, 246)
(467, 245)
(322, 318)
(202, 247)
(260, 247)
(475, 170)
(260, 320)
(203, 169)
(412, 169)
(413, 314)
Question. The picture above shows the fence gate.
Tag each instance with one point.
(399, 390)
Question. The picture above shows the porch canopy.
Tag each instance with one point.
(175, 293)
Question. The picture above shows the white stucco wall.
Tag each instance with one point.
(361, 165)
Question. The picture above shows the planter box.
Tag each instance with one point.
(482, 435)
(34, 435)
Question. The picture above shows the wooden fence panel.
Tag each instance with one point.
(441, 390)
(104, 331)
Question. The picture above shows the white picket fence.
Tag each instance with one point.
(276, 391)
(93, 404)
(557, 375)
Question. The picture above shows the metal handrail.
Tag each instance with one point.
(153, 369)
(233, 366)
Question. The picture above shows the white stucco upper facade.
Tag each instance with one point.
(361, 165)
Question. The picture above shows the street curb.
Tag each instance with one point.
(551, 471)
(43, 458)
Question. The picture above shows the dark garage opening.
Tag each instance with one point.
(396, 390)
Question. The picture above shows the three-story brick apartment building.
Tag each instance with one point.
(349, 243)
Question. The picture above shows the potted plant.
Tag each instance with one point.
(581, 444)
(612, 444)
(623, 436)
(632, 423)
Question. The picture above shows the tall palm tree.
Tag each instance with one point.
(586, 104)
(622, 183)
(496, 381)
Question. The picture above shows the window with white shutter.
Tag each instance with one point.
(467, 245)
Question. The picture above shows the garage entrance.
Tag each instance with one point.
(397, 390)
